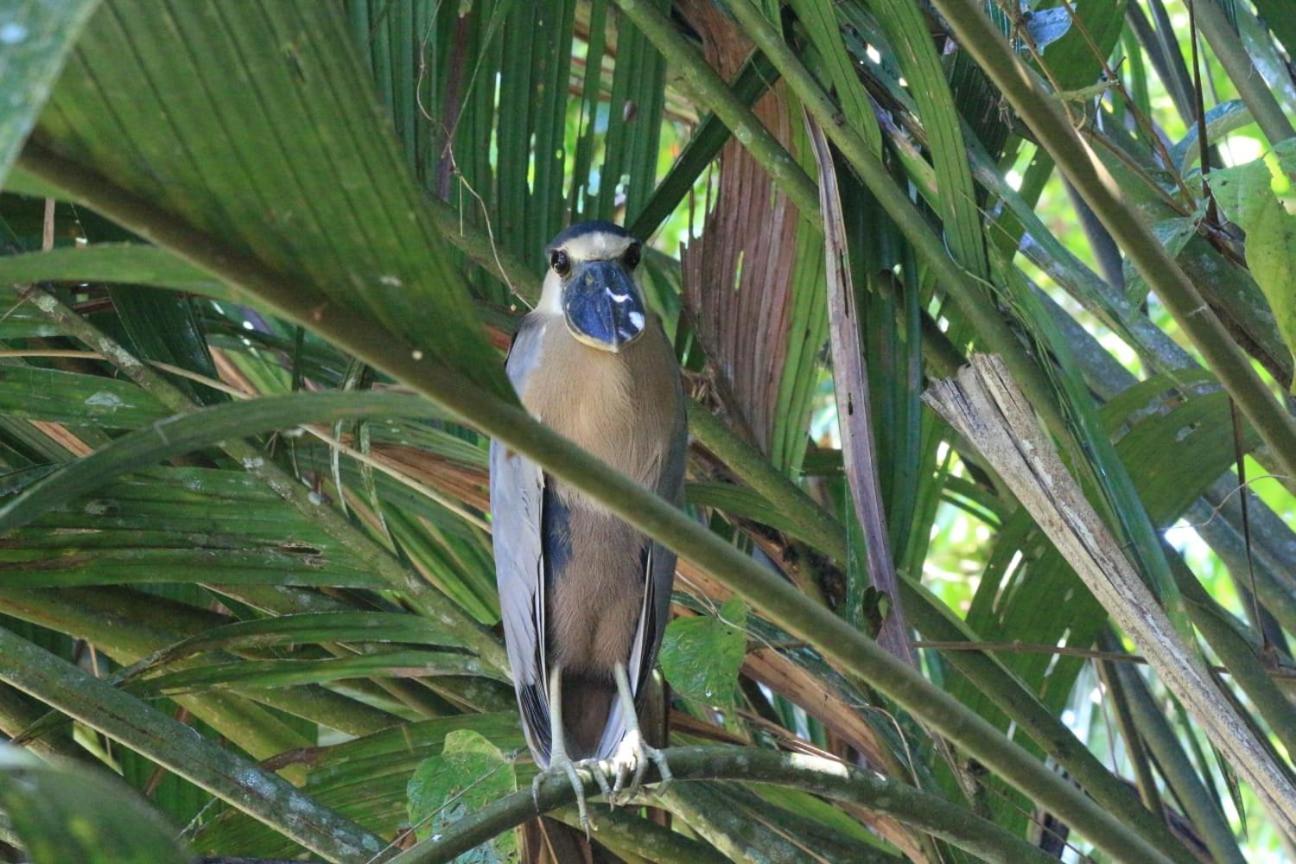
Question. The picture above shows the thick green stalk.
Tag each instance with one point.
(1045, 117)
(144, 729)
(702, 83)
(1175, 767)
(1250, 84)
(821, 529)
(819, 776)
(508, 423)
(723, 822)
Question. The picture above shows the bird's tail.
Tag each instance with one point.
(548, 841)
(587, 701)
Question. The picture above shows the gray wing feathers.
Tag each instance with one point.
(517, 499)
(670, 487)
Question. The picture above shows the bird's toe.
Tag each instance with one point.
(571, 770)
(631, 764)
(658, 758)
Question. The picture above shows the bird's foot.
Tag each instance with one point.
(561, 766)
(629, 763)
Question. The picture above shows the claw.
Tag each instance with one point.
(535, 790)
(631, 762)
(562, 766)
(569, 768)
(598, 767)
(558, 759)
(663, 767)
(632, 754)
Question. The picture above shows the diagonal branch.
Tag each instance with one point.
(814, 774)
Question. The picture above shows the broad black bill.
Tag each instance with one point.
(602, 305)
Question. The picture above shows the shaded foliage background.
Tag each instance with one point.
(260, 264)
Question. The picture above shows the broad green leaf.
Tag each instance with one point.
(68, 812)
(127, 263)
(1245, 195)
(187, 432)
(74, 398)
(258, 130)
(289, 673)
(179, 525)
(701, 654)
(34, 41)
(469, 773)
(1277, 16)
(1075, 59)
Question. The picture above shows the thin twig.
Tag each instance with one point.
(1067, 651)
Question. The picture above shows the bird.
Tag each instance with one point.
(584, 596)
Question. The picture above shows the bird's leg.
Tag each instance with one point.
(633, 753)
(559, 761)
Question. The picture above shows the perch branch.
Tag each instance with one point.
(813, 774)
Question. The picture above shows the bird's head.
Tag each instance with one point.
(591, 282)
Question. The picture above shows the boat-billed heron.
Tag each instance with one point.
(584, 596)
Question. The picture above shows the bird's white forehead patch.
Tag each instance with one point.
(596, 245)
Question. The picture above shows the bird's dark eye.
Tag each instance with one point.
(560, 263)
(631, 257)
